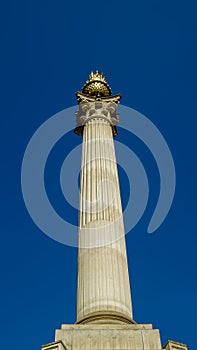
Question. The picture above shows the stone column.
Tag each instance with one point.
(103, 291)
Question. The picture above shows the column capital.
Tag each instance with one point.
(95, 108)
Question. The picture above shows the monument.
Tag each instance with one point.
(104, 319)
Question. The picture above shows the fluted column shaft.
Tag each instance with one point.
(103, 292)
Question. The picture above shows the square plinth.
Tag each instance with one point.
(108, 337)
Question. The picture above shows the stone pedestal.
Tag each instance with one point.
(106, 337)
(110, 337)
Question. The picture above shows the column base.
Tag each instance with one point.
(105, 318)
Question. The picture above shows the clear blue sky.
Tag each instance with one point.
(147, 49)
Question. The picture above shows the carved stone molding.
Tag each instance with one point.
(172, 345)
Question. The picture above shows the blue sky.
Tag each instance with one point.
(147, 49)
